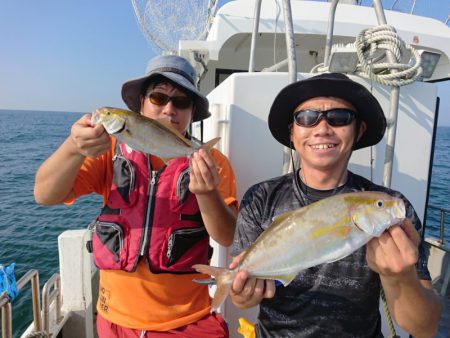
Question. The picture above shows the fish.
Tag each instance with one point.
(322, 232)
(145, 134)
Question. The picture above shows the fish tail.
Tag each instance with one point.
(224, 279)
(210, 144)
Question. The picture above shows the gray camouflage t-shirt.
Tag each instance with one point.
(338, 299)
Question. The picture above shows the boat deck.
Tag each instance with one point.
(444, 323)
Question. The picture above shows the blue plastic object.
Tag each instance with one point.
(8, 281)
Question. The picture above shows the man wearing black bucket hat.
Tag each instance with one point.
(324, 118)
(157, 217)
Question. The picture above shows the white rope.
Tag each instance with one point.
(384, 37)
(371, 45)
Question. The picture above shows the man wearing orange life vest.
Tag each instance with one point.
(146, 240)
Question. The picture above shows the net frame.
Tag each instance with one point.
(165, 22)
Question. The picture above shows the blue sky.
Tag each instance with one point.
(74, 55)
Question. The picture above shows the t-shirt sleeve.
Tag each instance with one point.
(422, 262)
(248, 225)
(94, 176)
(227, 184)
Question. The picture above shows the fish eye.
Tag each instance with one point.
(108, 113)
(379, 203)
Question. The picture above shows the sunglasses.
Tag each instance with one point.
(336, 117)
(160, 99)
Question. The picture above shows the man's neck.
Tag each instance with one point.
(323, 180)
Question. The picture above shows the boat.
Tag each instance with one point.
(252, 49)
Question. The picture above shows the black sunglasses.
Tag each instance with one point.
(160, 99)
(335, 117)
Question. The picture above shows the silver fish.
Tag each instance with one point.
(145, 134)
(322, 232)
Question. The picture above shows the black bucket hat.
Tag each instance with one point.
(174, 68)
(327, 84)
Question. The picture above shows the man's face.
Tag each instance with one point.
(322, 147)
(179, 118)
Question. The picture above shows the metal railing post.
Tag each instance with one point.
(292, 67)
(393, 107)
(5, 305)
(290, 41)
(33, 276)
(442, 213)
(441, 227)
(330, 29)
(47, 298)
(251, 65)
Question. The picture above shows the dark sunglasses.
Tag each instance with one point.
(335, 117)
(160, 99)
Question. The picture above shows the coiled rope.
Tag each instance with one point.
(384, 37)
(388, 315)
(371, 46)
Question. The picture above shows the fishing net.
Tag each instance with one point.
(166, 22)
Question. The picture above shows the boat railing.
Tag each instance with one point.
(51, 292)
(5, 303)
(442, 212)
(439, 252)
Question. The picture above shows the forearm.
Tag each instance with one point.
(55, 177)
(219, 219)
(413, 303)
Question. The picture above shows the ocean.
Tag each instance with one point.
(28, 232)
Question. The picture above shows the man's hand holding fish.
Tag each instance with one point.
(204, 176)
(394, 256)
(395, 252)
(90, 140)
(204, 180)
(249, 291)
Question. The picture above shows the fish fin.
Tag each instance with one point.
(287, 279)
(196, 143)
(209, 281)
(208, 269)
(339, 258)
(224, 279)
(284, 279)
(210, 144)
(168, 127)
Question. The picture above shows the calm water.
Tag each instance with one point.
(29, 232)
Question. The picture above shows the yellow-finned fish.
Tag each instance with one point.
(145, 134)
(322, 232)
